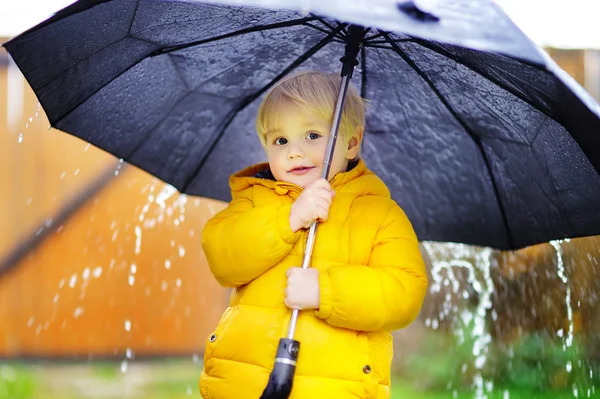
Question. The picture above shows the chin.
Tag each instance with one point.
(304, 181)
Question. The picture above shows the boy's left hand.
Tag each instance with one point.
(302, 291)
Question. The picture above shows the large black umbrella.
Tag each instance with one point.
(481, 138)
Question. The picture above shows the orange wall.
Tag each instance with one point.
(76, 293)
(39, 172)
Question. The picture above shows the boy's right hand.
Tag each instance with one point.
(312, 204)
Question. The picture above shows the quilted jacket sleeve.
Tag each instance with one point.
(242, 241)
(385, 295)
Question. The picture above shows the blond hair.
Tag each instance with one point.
(316, 92)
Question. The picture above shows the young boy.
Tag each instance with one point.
(367, 275)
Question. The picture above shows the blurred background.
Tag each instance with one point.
(105, 291)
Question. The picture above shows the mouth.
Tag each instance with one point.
(300, 170)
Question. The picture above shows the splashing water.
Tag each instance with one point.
(480, 269)
(563, 277)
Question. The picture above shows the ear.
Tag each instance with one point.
(354, 143)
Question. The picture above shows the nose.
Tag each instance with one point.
(295, 151)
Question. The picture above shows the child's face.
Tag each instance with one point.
(296, 145)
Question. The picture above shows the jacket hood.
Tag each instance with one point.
(359, 181)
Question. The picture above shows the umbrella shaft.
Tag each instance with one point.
(310, 241)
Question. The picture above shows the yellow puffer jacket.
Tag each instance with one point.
(372, 280)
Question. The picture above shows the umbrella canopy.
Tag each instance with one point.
(481, 138)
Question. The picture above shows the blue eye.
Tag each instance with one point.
(313, 136)
(280, 141)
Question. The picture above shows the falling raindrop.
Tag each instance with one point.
(138, 239)
(73, 281)
(178, 282)
(20, 137)
(167, 264)
(127, 325)
(78, 312)
(124, 366)
(98, 271)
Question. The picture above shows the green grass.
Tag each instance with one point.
(172, 379)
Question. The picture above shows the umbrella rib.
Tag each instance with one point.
(464, 125)
(328, 25)
(340, 38)
(440, 50)
(137, 6)
(249, 99)
(284, 24)
(317, 28)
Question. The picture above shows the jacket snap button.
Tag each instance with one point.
(213, 338)
(367, 369)
(280, 190)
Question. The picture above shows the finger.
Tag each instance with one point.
(323, 193)
(320, 183)
(323, 213)
(323, 203)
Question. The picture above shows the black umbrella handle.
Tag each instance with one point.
(281, 378)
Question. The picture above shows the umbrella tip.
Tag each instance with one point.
(410, 9)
